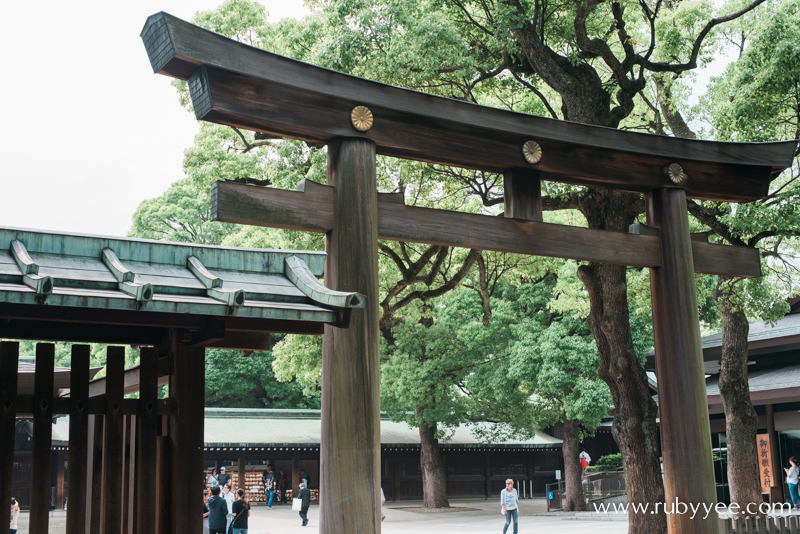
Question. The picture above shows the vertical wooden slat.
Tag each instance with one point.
(94, 503)
(398, 469)
(685, 430)
(126, 474)
(488, 475)
(241, 475)
(9, 358)
(60, 490)
(163, 486)
(522, 194)
(296, 474)
(351, 446)
(78, 440)
(187, 387)
(725, 526)
(42, 438)
(113, 447)
(147, 473)
(130, 475)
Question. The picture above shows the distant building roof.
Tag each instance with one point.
(225, 427)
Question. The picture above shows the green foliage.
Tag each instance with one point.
(235, 381)
(180, 214)
(608, 462)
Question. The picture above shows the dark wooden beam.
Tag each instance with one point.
(350, 418)
(42, 439)
(147, 474)
(78, 440)
(48, 316)
(262, 91)
(113, 446)
(9, 358)
(187, 387)
(522, 195)
(685, 435)
(312, 210)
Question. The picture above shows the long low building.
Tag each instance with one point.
(289, 440)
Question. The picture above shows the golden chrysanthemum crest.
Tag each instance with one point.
(362, 118)
(532, 151)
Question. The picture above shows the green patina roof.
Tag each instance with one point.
(53, 269)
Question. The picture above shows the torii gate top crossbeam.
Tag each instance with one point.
(236, 84)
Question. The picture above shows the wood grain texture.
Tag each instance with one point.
(147, 434)
(398, 222)
(78, 439)
(114, 443)
(94, 495)
(187, 387)
(350, 448)
(522, 194)
(42, 438)
(263, 91)
(9, 359)
(685, 431)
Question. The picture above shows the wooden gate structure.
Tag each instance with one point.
(234, 84)
(135, 464)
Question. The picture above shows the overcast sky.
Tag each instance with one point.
(88, 130)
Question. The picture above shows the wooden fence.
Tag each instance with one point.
(761, 525)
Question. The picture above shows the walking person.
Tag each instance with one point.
(206, 494)
(241, 512)
(14, 515)
(224, 478)
(270, 488)
(218, 513)
(510, 503)
(283, 485)
(305, 499)
(212, 478)
(228, 496)
(791, 481)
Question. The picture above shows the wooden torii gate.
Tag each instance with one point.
(238, 85)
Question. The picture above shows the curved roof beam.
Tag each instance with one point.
(239, 85)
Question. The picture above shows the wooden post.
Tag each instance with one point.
(129, 474)
(78, 439)
(685, 430)
(187, 387)
(488, 475)
(114, 445)
(773, 447)
(296, 474)
(147, 468)
(522, 192)
(351, 445)
(60, 493)
(9, 358)
(163, 486)
(95, 475)
(242, 471)
(42, 438)
(398, 471)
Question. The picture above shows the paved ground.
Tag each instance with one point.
(487, 520)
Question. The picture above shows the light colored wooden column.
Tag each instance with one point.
(187, 387)
(42, 438)
(9, 360)
(351, 444)
(685, 430)
(78, 440)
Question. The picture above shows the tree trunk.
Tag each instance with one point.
(741, 420)
(634, 427)
(572, 466)
(434, 479)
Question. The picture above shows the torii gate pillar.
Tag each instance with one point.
(685, 431)
(350, 448)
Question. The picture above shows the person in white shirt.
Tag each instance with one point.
(14, 515)
(510, 503)
(229, 498)
(791, 480)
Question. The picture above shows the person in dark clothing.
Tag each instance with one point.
(283, 485)
(241, 511)
(305, 478)
(224, 478)
(217, 512)
(305, 499)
